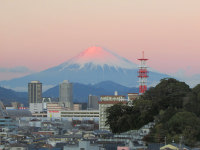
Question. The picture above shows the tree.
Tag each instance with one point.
(118, 118)
(169, 92)
(186, 124)
(121, 118)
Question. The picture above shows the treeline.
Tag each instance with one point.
(172, 105)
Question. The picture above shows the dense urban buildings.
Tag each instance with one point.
(66, 94)
(35, 92)
(53, 125)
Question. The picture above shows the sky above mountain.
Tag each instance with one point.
(36, 35)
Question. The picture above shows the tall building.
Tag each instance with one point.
(35, 92)
(65, 94)
(93, 102)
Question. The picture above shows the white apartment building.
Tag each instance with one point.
(55, 110)
(90, 114)
(35, 107)
(105, 102)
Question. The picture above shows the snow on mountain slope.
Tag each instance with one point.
(97, 56)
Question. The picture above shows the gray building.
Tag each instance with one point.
(35, 92)
(93, 102)
(66, 94)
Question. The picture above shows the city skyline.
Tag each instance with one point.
(39, 35)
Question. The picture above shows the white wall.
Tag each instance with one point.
(35, 107)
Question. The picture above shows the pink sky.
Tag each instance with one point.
(42, 34)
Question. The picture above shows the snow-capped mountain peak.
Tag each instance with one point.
(98, 56)
(93, 65)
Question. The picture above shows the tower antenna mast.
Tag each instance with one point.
(142, 74)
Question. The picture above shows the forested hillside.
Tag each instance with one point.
(172, 105)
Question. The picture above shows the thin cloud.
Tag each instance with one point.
(17, 69)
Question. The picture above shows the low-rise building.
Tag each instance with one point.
(83, 145)
(77, 106)
(132, 96)
(54, 110)
(16, 105)
(36, 107)
(18, 146)
(92, 114)
(123, 148)
(7, 122)
(175, 146)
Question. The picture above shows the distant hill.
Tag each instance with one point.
(80, 92)
(111, 87)
(7, 96)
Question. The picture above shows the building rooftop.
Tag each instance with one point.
(112, 102)
(19, 113)
(35, 82)
(113, 96)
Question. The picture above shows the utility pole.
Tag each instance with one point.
(180, 146)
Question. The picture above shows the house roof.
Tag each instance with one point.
(175, 146)
(169, 147)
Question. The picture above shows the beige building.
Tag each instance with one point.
(174, 146)
(16, 105)
(105, 102)
(92, 114)
(132, 96)
(77, 106)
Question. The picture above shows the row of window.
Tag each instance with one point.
(79, 113)
(79, 116)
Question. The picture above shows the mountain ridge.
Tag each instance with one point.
(82, 91)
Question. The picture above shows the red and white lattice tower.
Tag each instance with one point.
(142, 74)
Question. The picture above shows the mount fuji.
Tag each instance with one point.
(91, 66)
